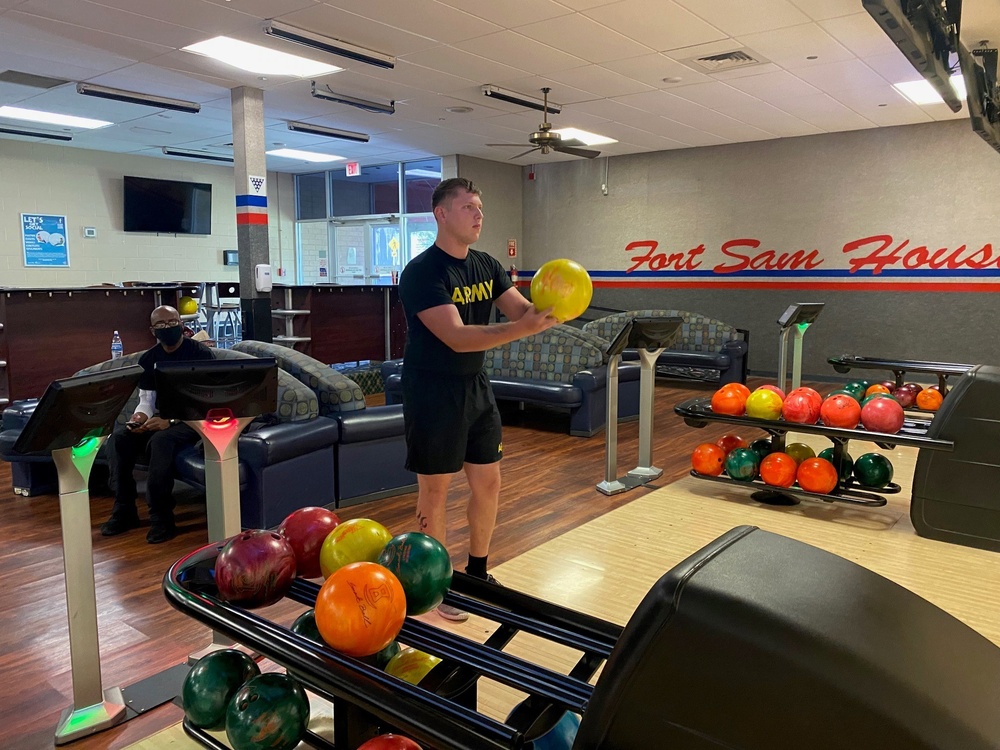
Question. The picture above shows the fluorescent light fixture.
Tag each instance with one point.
(512, 97)
(205, 155)
(922, 92)
(365, 104)
(52, 118)
(346, 135)
(257, 59)
(590, 139)
(135, 97)
(327, 44)
(291, 153)
(36, 134)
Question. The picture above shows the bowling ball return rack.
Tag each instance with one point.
(697, 412)
(899, 367)
(697, 666)
(440, 713)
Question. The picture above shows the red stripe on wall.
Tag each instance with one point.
(251, 218)
(841, 286)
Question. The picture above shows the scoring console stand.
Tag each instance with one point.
(72, 420)
(218, 399)
(650, 336)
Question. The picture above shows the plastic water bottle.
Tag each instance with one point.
(117, 349)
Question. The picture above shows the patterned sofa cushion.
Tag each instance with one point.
(554, 355)
(335, 392)
(296, 403)
(698, 332)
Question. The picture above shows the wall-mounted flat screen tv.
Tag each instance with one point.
(167, 206)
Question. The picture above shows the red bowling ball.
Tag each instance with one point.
(882, 415)
(255, 568)
(306, 529)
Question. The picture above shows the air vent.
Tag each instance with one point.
(740, 58)
(33, 81)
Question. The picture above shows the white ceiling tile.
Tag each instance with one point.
(883, 105)
(150, 79)
(860, 34)
(599, 81)
(583, 37)
(530, 55)
(43, 37)
(119, 22)
(265, 8)
(560, 94)
(839, 76)
(774, 88)
(357, 30)
(586, 4)
(819, 10)
(662, 26)
(893, 67)
(511, 13)
(428, 18)
(208, 18)
(736, 17)
(652, 69)
(790, 48)
(825, 112)
(408, 73)
(608, 109)
(465, 64)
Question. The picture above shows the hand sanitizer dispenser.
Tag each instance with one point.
(262, 277)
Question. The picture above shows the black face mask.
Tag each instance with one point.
(168, 336)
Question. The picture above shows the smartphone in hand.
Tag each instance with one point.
(133, 425)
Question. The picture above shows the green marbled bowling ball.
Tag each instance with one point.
(211, 683)
(873, 470)
(741, 464)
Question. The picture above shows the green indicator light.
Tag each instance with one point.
(802, 326)
(85, 447)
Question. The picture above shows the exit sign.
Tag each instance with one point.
(353, 169)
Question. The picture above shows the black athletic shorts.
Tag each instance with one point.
(450, 420)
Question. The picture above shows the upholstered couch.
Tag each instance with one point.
(563, 368)
(370, 451)
(705, 349)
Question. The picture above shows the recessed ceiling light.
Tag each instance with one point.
(257, 59)
(291, 153)
(591, 139)
(458, 110)
(921, 92)
(672, 79)
(52, 118)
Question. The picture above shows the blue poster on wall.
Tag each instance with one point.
(44, 239)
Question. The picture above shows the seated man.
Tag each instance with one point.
(148, 434)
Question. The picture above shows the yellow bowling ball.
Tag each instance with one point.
(565, 286)
(357, 540)
(411, 665)
(187, 306)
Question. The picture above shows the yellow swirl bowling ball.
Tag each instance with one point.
(357, 540)
(565, 286)
(411, 665)
(187, 306)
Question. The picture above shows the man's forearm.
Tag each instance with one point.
(480, 338)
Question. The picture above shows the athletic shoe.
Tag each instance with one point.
(161, 533)
(454, 614)
(119, 524)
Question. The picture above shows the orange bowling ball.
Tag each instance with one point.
(360, 609)
(708, 459)
(929, 399)
(778, 470)
(729, 401)
(817, 475)
(565, 286)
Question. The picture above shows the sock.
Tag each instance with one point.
(476, 566)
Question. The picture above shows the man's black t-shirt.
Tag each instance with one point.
(188, 350)
(435, 278)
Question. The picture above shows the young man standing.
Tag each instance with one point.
(452, 422)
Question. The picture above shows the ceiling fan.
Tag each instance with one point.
(545, 139)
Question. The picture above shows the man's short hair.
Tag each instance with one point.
(448, 188)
